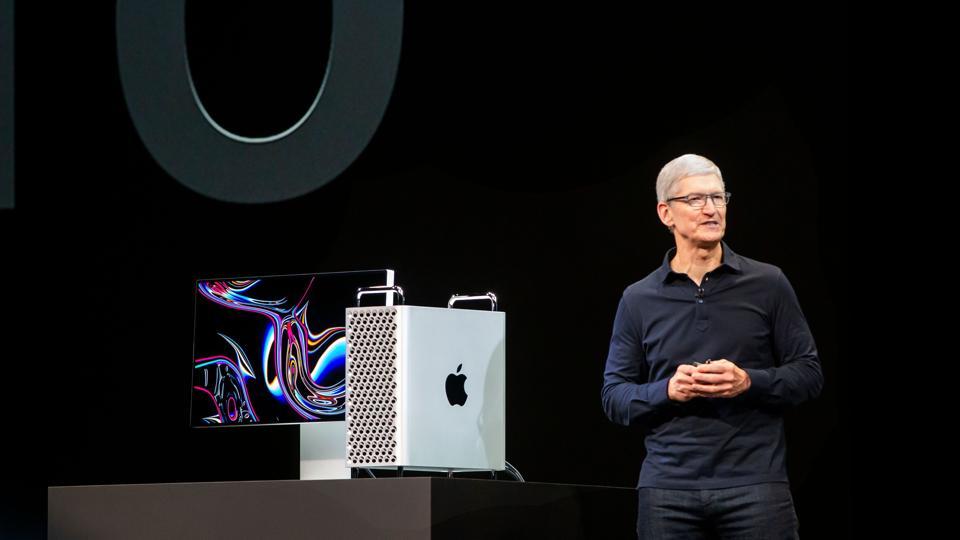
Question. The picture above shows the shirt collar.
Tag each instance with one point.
(728, 261)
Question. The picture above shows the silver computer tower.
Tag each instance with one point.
(406, 366)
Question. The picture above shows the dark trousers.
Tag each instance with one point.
(756, 511)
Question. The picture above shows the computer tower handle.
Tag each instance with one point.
(381, 289)
(489, 296)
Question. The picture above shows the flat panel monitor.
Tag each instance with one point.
(271, 349)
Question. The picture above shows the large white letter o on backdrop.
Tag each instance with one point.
(191, 147)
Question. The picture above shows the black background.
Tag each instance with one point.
(518, 155)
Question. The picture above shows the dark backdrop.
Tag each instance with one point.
(518, 154)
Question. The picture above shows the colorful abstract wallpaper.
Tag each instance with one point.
(270, 350)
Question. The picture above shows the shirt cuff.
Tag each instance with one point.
(657, 393)
(760, 382)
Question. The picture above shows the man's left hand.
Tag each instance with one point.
(720, 378)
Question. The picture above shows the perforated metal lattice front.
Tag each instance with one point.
(372, 386)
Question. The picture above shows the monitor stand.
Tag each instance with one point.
(323, 451)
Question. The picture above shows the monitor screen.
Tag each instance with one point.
(271, 349)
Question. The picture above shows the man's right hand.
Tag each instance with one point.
(681, 384)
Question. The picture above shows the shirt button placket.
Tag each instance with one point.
(703, 321)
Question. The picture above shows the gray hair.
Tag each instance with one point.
(682, 167)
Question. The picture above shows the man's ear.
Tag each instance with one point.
(666, 216)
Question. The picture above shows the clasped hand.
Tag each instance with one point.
(716, 379)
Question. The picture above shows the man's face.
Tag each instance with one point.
(699, 226)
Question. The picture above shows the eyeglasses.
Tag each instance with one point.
(698, 200)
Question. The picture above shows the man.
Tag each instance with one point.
(707, 353)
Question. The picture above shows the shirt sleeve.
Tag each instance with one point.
(797, 376)
(628, 398)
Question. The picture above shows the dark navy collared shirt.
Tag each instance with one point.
(744, 311)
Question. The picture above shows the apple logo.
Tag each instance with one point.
(455, 392)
